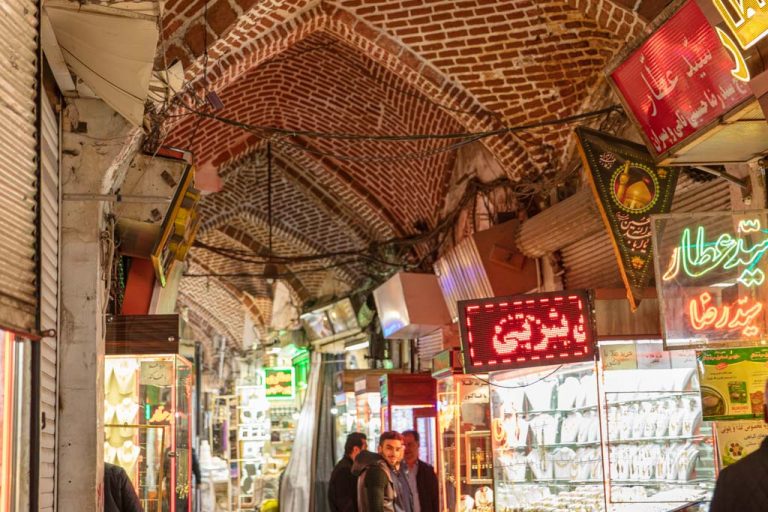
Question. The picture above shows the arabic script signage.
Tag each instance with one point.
(628, 188)
(526, 330)
(737, 439)
(733, 383)
(710, 269)
(679, 80)
(280, 383)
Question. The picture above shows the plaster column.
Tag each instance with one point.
(97, 146)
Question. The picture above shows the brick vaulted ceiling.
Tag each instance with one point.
(374, 67)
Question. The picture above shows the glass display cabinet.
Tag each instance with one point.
(147, 413)
(368, 406)
(253, 432)
(345, 409)
(464, 437)
(408, 402)
(660, 454)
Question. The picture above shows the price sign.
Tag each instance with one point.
(526, 330)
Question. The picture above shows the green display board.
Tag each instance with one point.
(280, 383)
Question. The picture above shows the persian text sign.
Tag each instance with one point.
(628, 188)
(710, 274)
(679, 80)
(733, 383)
(737, 439)
(526, 330)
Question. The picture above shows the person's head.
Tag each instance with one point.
(391, 447)
(356, 442)
(411, 446)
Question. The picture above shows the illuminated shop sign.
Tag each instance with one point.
(712, 270)
(747, 20)
(526, 330)
(679, 81)
(280, 383)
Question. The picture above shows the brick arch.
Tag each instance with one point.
(381, 48)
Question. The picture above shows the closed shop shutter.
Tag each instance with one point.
(49, 298)
(591, 262)
(18, 164)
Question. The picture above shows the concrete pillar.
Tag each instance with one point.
(97, 146)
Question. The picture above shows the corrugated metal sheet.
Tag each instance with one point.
(49, 299)
(18, 164)
(591, 263)
(462, 276)
(428, 347)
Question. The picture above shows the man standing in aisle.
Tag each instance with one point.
(421, 476)
(342, 488)
(743, 486)
(380, 487)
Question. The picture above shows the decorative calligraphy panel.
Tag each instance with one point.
(628, 188)
(523, 331)
(710, 275)
(678, 81)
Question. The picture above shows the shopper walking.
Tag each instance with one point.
(379, 484)
(743, 486)
(421, 476)
(342, 488)
(119, 495)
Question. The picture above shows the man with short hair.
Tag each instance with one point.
(421, 476)
(342, 488)
(743, 486)
(379, 487)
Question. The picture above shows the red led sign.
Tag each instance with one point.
(526, 330)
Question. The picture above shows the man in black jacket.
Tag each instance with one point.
(119, 495)
(743, 486)
(380, 486)
(342, 488)
(421, 476)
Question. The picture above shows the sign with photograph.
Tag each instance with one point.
(710, 275)
(737, 439)
(280, 383)
(523, 331)
(628, 189)
(733, 383)
(679, 81)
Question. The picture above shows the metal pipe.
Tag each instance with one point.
(741, 182)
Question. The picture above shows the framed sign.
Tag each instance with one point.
(280, 383)
(526, 330)
(710, 276)
(678, 82)
(733, 383)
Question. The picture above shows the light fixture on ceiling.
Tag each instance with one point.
(270, 273)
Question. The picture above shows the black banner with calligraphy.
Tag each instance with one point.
(628, 189)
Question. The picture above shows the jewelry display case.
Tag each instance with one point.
(368, 407)
(464, 441)
(545, 430)
(147, 412)
(408, 402)
(660, 454)
(345, 416)
(253, 432)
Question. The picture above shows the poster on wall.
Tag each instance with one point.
(280, 383)
(710, 277)
(628, 189)
(733, 383)
(737, 439)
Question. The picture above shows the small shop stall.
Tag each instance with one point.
(408, 402)
(253, 432)
(464, 436)
(147, 411)
(368, 406)
(345, 408)
(545, 420)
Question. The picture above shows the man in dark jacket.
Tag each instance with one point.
(422, 479)
(379, 488)
(743, 486)
(342, 488)
(119, 495)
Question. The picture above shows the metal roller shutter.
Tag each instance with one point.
(49, 298)
(18, 164)
(591, 263)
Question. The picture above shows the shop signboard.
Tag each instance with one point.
(678, 83)
(280, 383)
(710, 276)
(523, 331)
(628, 189)
(618, 356)
(737, 439)
(733, 383)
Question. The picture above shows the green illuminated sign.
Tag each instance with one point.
(280, 383)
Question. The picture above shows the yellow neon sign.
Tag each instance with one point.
(746, 19)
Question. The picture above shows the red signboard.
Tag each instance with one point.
(526, 330)
(679, 80)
